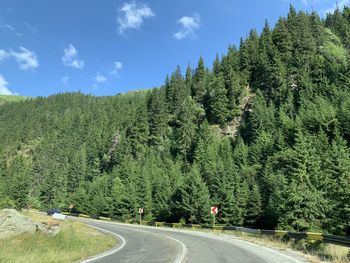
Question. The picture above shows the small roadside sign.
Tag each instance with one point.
(70, 208)
(140, 212)
(214, 210)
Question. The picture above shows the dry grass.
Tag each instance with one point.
(74, 242)
(313, 251)
(337, 254)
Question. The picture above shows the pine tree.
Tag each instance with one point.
(158, 118)
(199, 82)
(254, 206)
(282, 39)
(18, 185)
(138, 133)
(194, 199)
(188, 119)
(338, 190)
(218, 100)
(206, 153)
(176, 91)
(305, 205)
(229, 212)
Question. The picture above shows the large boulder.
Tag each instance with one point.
(13, 223)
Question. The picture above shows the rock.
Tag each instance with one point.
(13, 223)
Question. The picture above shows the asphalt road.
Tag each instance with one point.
(152, 245)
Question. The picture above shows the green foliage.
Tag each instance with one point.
(194, 198)
(9, 98)
(286, 92)
(187, 121)
(219, 112)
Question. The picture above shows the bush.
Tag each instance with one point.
(7, 202)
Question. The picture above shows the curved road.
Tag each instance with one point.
(152, 245)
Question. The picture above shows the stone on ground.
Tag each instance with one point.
(13, 223)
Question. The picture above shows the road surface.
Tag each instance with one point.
(153, 245)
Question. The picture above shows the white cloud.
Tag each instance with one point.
(10, 28)
(117, 67)
(188, 25)
(340, 4)
(3, 54)
(100, 78)
(3, 87)
(25, 58)
(132, 14)
(71, 59)
(65, 80)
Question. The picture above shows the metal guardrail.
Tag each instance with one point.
(330, 239)
(336, 240)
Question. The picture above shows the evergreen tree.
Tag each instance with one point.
(18, 186)
(137, 134)
(338, 190)
(254, 206)
(158, 118)
(194, 198)
(218, 100)
(199, 82)
(188, 119)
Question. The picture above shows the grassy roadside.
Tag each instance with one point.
(312, 251)
(74, 242)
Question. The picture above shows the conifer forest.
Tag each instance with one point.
(263, 133)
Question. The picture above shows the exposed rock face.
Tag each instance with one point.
(232, 127)
(13, 223)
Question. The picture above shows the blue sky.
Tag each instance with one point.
(112, 46)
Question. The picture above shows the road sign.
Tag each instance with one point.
(141, 210)
(70, 208)
(214, 210)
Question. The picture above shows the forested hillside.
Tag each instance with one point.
(264, 134)
(10, 98)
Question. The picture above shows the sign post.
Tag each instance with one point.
(70, 208)
(214, 211)
(140, 212)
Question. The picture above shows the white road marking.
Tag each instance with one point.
(196, 233)
(181, 257)
(110, 252)
(261, 247)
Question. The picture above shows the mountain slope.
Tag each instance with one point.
(285, 163)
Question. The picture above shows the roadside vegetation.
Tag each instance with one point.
(74, 242)
(313, 251)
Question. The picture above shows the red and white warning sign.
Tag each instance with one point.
(140, 210)
(214, 210)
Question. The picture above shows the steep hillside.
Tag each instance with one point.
(281, 158)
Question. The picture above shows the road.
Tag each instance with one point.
(153, 245)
